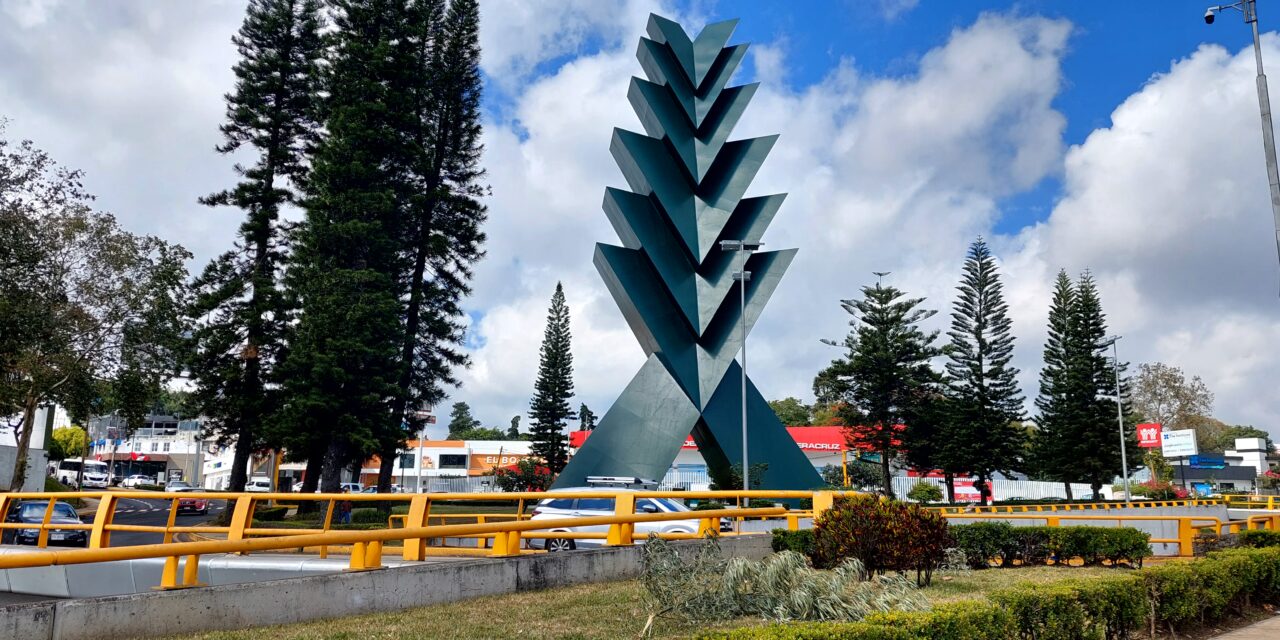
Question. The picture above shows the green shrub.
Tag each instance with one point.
(367, 516)
(1107, 608)
(1259, 538)
(270, 514)
(710, 505)
(885, 535)
(925, 492)
(956, 621)
(800, 541)
(982, 542)
(986, 541)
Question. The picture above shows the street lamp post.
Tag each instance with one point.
(1250, 10)
(742, 277)
(1124, 454)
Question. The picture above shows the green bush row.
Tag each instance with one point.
(1008, 545)
(1259, 538)
(800, 541)
(270, 514)
(1169, 595)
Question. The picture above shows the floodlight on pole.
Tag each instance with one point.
(742, 277)
(1115, 365)
(1250, 10)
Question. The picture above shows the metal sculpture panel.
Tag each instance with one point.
(674, 284)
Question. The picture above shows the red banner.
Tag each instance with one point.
(1149, 435)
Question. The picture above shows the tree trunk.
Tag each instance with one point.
(240, 461)
(331, 473)
(1097, 490)
(984, 490)
(311, 481)
(949, 479)
(886, 474)
(24, 444)
(1067, 486)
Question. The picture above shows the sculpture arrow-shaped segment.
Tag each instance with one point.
(698, 212)
(662, 67)
(650, 312)
(662, 116)
(708, 46)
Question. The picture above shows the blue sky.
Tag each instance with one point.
(1116, 137)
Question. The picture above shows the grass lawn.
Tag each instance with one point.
(604, 610)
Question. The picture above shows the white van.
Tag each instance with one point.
(68, 472)
(258, 484)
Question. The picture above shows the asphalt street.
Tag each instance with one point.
(135, 512)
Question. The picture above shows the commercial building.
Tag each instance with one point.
(166, 449)
(439, 461)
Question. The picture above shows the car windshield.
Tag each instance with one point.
(35, 511)
(180, 485)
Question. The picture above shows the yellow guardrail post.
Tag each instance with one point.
(241, 518)
(1186, 538)
(480, 540)
(419, 512)
(191, 572)
(793, 522)
(43, 539)
(173, 517)
(710, 526)
(620, 533)
(822, 501)
(100, 536)
(1052, 521)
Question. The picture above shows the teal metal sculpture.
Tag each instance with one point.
(673, 283)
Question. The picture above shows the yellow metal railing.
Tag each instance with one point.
(1252, 502)
(1077, 506)
(367, 545)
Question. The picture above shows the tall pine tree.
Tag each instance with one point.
(343, 367)
(1053, 444)
(885, 379)
(443, 214)
(239, 313)
(980, 436)
(1097, 459)
(549, 411)
(586, 418)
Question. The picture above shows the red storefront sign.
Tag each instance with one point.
(1149, 435)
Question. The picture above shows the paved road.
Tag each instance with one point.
(156, 513)
(136, 512)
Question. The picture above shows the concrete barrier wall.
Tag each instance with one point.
(330, 596)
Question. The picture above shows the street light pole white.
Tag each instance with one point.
(742, 277)
(1124, 455)
(1250, 10)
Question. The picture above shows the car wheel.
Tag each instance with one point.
(560, 544)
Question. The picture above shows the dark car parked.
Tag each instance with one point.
(32, 512)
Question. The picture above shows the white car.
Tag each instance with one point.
(135, 481)
(395, 488)
(258, 484)
(178, 486)
(559, 508)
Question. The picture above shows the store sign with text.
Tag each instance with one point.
(1149, 435)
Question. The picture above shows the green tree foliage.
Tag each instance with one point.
(549, 410)
(885, 377)
(342, 372)
(68, 442)
(240, 314)
(460, 419)
(980, 433)
(439, 192)
(1077, 441)
(525, 475)
(925, 492)
(791, 412)
(513, 431)
(80, 297)
(1162, 393)
(479, 433)
(1224, 439)
(586, 418)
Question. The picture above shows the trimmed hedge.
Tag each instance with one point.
(1258, 538)
(270, 514)
(800, 541)
(957, 621)
(1171, 595)
(1008, 545)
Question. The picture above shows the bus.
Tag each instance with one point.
(68, 472)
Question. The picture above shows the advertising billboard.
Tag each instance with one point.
(1176, 444)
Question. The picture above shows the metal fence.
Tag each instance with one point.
(1004, 489)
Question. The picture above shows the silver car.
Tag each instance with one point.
(560, 508)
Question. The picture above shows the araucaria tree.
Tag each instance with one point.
(341, 375)
(980, 435)
(885, 377)
(440, 194)
(549, 411)
(239, 313)
(1077, 439)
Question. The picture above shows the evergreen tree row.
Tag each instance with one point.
(327, 338)
(965, 419)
